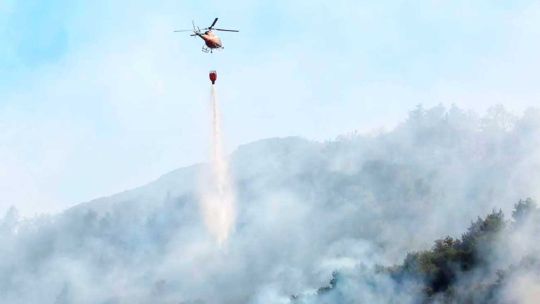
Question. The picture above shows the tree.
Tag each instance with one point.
(523, 210)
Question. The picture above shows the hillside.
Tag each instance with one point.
(305, 210)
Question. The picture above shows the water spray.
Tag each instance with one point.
(218, 196)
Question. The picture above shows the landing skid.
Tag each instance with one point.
(206, 49)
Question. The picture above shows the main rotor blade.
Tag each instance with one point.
(213, 23)
(180, 31)
(224, 30)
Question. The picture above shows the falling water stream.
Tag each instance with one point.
(217, 195)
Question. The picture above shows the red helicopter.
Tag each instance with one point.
(211, 40)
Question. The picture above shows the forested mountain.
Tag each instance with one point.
(317, 222)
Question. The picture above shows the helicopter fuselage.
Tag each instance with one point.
(211, 40)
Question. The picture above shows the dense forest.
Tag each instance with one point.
(463, 270)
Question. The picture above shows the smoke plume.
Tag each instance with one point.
(304, 210)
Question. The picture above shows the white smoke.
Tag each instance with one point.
(217, 196)
(304, 210)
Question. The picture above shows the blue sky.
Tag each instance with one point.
(98, 97)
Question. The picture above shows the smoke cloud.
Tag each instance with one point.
(306, 211)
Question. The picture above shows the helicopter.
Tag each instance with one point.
(211, 40)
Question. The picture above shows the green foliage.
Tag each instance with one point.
(439, 268)
(457, 270)
(436, 272)
(523, 210)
